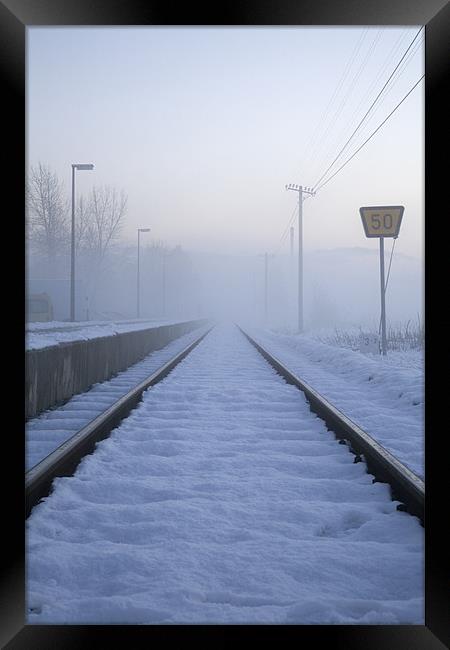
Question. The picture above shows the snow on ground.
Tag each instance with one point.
(383, 395)
(52, 427)
(348, 338)
(43, 335)
(223, 499)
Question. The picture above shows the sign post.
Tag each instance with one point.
(382, 221)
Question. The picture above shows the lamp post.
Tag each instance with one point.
(138, 279)
(72, 246)
(164, 283)
(301, 190)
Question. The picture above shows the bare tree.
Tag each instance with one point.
(82, 224)
(47, 212)
(99, 222)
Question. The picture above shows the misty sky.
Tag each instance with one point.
(203, 127)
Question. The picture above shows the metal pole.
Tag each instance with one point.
(164, 284)
(292, 241)
(72, 252)
(300, 260)
(383, 305)
(266, 263)
(138, 306)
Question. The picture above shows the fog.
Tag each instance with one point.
(341, 287)
(194, 133)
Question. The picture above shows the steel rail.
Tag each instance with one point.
(405, 486)
(64, 460)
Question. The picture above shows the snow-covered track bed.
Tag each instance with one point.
(222, 498)
(63, 460)
(404, 484)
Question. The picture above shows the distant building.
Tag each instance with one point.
(57, 289)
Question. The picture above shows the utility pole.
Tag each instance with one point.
(266, 273)
(301, 190)
(291, 275)
(266, 286)
(72, 239)
(164, 283)
(138, 288)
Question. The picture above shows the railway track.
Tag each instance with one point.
(66, 457)
(220, 498)
(405, 485)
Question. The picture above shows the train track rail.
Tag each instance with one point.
(405, 486)
(64, 460)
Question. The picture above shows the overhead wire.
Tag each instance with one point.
(405, 60)
(391, 56)
(367, 112)
(291, 220)
(371, 136)
(388, 89)
(286, 230)
(324, 115)
(343, 101)
(351, 88)
(395, 79)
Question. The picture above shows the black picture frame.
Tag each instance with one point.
(15, 17)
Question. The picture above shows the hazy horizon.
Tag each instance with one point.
(202, 128)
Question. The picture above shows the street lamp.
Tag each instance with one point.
(138, 291)
(301, 190)
(72, 247)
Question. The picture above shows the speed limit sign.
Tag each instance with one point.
(382, 221)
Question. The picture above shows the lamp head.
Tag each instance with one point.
(83, 166)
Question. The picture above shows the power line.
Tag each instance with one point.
(371, 135)
(291, 218)
(313, 139)
(395, 79)
(389, 58)
(286, 230)
(391, 85)
(393, 53)
(352, 86)
(368, 111)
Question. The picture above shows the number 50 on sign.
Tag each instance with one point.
(382, 221)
